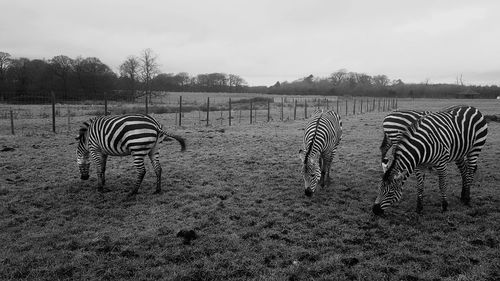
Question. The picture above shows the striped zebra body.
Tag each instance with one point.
(136, 135)
(456, 134)
(321, 138)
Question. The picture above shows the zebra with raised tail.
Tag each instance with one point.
(322, 135)
(137, 135)
(456, 135)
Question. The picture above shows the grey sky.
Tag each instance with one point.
(265, 41)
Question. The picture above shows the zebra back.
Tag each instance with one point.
(439, 138)
(323, 131)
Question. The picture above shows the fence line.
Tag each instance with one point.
(188, 112)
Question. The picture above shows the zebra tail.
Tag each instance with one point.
(181, 140)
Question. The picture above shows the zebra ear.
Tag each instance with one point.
(401, 175)
(301, 155)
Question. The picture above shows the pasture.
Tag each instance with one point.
(240, 190)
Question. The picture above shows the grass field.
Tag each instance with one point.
(239, 189)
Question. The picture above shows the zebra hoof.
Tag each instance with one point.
(465, 201)
(444, 206)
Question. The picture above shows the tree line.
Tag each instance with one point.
(344, 83)
(80, 78)
(23, 79)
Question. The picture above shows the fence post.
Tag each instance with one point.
(180, 110)
(337, 105)
(251, 112)
(361, 106)
(53, 112)
(268, 111)
(146, 102)
(354, 108)
(373, 105)
(346, 107)
(11, 121)
(327, 107)
(105, 104)
(69, 126)
(282, 102)
(229, 112)
(208, 109)
(305, 110)
(294, 109)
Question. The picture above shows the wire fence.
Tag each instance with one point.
(182, 110)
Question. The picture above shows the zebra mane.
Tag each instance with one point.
(306, 156)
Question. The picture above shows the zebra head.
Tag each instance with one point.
(82, 152)
(311, 172)
(390, 190)
(387, 157)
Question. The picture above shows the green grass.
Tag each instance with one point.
(241, 192)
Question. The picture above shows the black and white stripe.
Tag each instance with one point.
(136, 135)
(321, 138)
(456, 134)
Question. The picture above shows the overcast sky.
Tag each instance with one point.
(265, 41)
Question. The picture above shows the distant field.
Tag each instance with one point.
(240, 190)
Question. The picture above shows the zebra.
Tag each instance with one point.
(137, 135)
(457, 134)
(322, 135)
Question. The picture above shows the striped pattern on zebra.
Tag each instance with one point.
(434, 140)
(322, 135)
(136, 135)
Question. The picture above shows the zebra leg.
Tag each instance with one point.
(104, 159)
(153, 156)
(141, 171)
(420, 189)
(469, 178)
(442, 186)
(462, 165)
(98, 158)
(327, 166)
(323, 171)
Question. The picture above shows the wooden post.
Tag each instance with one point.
(305, 108)
(361, 106)
(346, 107)
(337, 105)
(230, 112)
(373, 105)
(11, 121)
(294, 109)
(268, 110)
(68, 113)
(327, 107)
(354, 108)
(53, 112)
(208, 109)
(146, 102)
(180, 110)
(251, 112)
(282, 102)
(105, 104)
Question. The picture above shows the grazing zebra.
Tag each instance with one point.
(435, 140)
(136, 135)
(321, 138)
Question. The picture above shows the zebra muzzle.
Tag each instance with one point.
(308, 192)
(377, 210)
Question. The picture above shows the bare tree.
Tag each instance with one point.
(62, 66)
(235, 81)
(149, 69)
(338, 77)
(130, 70)
(381, 80)
(5, 62)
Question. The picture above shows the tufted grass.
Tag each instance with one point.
(240, 190)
